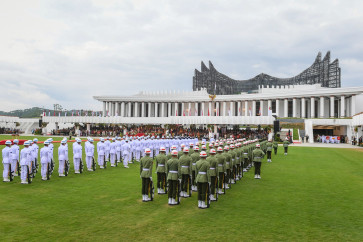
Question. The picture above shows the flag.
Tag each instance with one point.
(259, 112)
(183, 112)
(249, 110)
(43, 113)
(72, 113)
(176, 112)
(202, 112)
(217, 112)
(208, 112)
(53, 113)
(49, 113)
(269, 111)
(190, 112)
(195, 112)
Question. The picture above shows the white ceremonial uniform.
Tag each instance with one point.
(14, 159)
(6, 153)
(113, 153)
(137, 149)
(24, 163)
(36, 151)
(44, 160)
(77, 156)
(62, 152)
(101, 153)
(126, 153)
(90, 150)
(118, 150)
(107, 149)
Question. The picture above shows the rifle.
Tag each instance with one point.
(18, 167)
(51, 166)
(28, 175)
(48, 171)
(80, 166)
(66, 167)
(105, 163)
(10, 173)
(93, 164)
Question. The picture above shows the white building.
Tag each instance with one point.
(320, 108)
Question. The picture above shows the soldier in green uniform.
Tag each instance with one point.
(221, 169)
(213, 172)
(185, 167)
(146, 167)
(204, 148)
(172, 170)
(228, 166)
(275, 145)
(239, 161)
(257, 156)
(191, 151)
(161, 160)
(286, 145)
(169, 156)
(195, 157)
(245, 156)
(233, 164)
(269, 150)
(202, 179)
(180, 153)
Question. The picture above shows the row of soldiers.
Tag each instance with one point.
(25, 163)
(209, 172)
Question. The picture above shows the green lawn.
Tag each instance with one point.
(311, 194)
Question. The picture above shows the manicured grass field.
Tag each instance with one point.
(311, 194)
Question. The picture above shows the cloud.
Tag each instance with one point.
(68, 51)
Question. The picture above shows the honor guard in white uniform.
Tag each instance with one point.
(90, 151)
(113, 152)
(126, 153)
(62, 157)
(101, 153)
(15, 157)
(36, 151)
(77, 155)
(137, 149)
(6, 154)
(45, 160)
(107, 148)
(118, 149)
(25, 162)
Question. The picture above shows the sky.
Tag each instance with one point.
(65, 52)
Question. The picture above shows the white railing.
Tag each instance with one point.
(164, 120)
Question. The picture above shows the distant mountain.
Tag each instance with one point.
(34, 112)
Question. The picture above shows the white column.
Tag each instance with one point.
(156, 109)
(224, 109)
(278, 107)
(117, 109)
(312, 108)
(322, 107)
(269, 107)
(342, 108)
(253, 108)
(169, 109)
(352, 105)
(332, 111)
(196, 109)
(239, 109)
(286, 104)
(246, 108)
(294, 108)
(104, 109)
(217, 109)
(149, 109)
(176, 109)
(231, 109)
(303, 108)
(113, 108)
(162, 110)
(122, 113)
(261, 106)
(143, 109)
(130, 105)
(136, 109)
(183, 110)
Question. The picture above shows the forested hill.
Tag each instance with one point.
(34, 112)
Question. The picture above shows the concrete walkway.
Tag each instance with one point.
(325, 145)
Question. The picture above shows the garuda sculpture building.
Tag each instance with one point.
(322, 72)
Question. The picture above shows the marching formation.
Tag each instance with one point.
(193, 167)
(183, 165)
